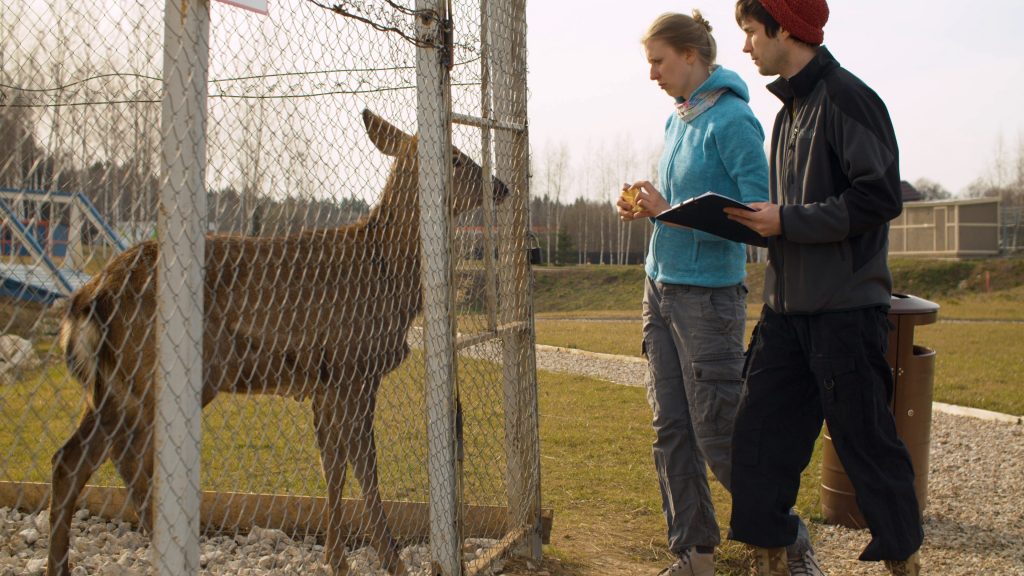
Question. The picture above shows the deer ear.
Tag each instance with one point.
(385, 136)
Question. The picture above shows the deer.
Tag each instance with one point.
(318, 315)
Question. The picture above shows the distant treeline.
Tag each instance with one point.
(127, 191)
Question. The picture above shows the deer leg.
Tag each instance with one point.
(73, 464)
(133, 458)
(328, 415)
(363, 456)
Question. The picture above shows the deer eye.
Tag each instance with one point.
(458, 161)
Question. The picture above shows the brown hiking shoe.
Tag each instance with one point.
(770, 562)
(909, 567)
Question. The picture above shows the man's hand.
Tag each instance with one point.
(766, 221)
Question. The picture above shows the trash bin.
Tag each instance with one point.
(913, 370)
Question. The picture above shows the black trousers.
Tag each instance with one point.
(803, 369)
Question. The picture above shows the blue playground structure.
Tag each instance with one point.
(40, 242)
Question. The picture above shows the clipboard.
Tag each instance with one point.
(705, 212)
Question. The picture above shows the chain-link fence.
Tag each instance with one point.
(240, 261)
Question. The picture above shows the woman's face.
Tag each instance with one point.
(673, 71)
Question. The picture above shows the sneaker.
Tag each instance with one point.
(909, 567)
(770, 562)
(805, 565)
(691, 563)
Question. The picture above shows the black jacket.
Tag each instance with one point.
(835, 174)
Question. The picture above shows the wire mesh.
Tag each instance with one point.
(314, 432)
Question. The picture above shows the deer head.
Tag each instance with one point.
(401, 189)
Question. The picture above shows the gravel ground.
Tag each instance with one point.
(974, 521)
(103, 548)
(974, 518)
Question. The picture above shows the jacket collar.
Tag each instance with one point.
(804, 81)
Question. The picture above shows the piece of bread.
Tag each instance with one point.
(629, 196)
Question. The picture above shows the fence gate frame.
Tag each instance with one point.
(510, 316)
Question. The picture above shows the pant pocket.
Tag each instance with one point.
(716, 394)
(842, 392)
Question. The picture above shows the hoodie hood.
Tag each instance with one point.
(720, 79)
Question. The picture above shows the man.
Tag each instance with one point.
(819, 348)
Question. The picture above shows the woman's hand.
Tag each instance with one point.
(624, 206)
(649, 202)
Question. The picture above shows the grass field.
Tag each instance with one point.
(265, 444)
(959, 286)
(979, 338)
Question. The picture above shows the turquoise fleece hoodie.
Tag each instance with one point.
(721, 150)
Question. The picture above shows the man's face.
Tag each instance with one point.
(767, 53)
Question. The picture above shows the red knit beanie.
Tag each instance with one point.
(804, 19)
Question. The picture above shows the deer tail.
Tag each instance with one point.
(81, 338)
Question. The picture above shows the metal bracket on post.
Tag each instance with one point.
(447, 49)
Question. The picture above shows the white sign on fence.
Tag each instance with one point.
(259, 6)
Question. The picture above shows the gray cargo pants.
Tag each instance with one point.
(693, 339)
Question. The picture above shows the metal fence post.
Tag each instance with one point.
(434, 123)
(182, 208)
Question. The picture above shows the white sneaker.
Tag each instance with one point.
(691, 563)
(805, 565)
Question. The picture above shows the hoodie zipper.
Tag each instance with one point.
(664, 187)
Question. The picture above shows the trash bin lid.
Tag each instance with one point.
(908, 304)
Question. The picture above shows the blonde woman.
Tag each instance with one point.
(694, 305)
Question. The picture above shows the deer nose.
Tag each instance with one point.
(500, 190)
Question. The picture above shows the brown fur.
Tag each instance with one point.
(321, 315)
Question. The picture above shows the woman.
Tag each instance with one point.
(694, 305)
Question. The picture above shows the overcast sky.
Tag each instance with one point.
(951, 74)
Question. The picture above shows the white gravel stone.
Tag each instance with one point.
(29, 535)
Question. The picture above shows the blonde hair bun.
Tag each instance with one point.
(699, 19)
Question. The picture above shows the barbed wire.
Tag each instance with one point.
(428, 15)
(16, 104)
(344, 8)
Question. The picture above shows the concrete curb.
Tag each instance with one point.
(586, 353)
(976, 413)
(936, 406)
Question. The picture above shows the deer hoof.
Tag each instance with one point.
(398, 569)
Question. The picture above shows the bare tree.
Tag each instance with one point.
(254, 126)
(556, 166)
(1005, 177)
